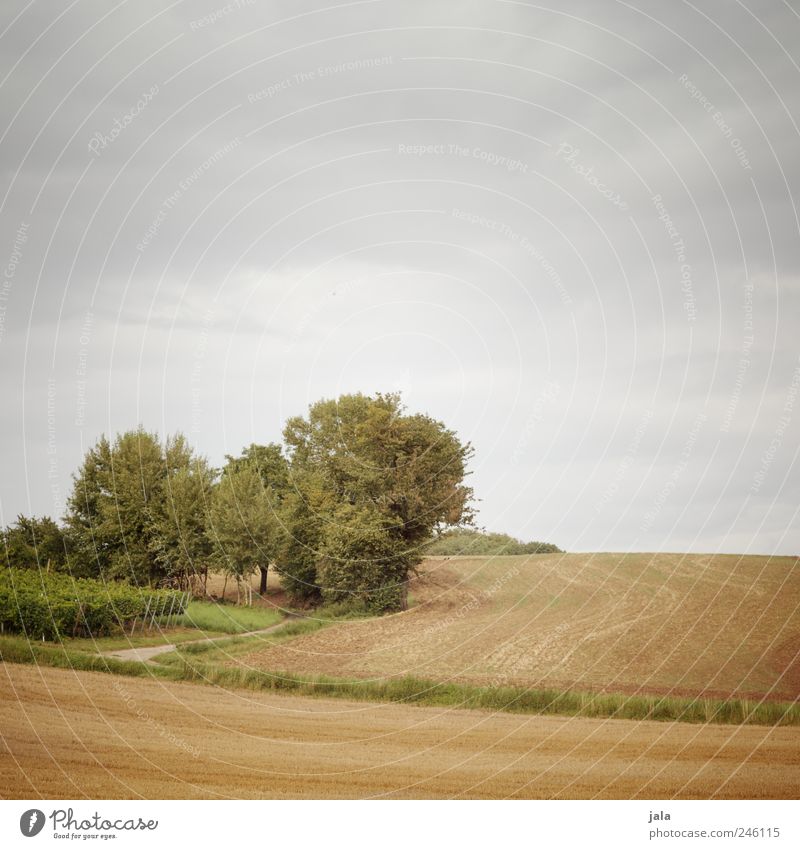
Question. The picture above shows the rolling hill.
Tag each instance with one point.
(668, 624)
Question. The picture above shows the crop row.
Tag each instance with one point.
(48, 606)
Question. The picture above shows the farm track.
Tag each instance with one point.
(73, 735)
(145, 654)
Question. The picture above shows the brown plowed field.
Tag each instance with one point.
(91, 735)
(664, 623)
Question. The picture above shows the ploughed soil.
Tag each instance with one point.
(76, 735)
(667, 624)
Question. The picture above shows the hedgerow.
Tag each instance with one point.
(44, 605)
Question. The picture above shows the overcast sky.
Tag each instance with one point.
(569, 233)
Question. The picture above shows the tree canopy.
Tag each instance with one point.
(371, 483)
(243, 523)
(35, 542)
(136, 510)
(346, 508)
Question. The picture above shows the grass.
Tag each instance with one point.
(410, 690)
(202, 619)
(224, 648)
(227, 618)
(120, 641)
(419, 691)
(19, 650)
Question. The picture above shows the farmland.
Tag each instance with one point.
(666, 624)
(547, 650)
(91, 735)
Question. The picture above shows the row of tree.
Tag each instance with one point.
(344, 508)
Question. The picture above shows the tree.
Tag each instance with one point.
(242, 524)
(272, 468)
(181, 545)
(91, 551)
(270, 463)
(303, 518)
(132, 510)
(368, 475)
(114, 503)
(361, 561)
(35, 543)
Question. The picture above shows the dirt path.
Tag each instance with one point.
(75, 735)
(145, 654)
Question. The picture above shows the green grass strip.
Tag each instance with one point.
(418, 691)
(19, 650)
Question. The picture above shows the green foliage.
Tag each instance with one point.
(47, 606)
(361, 561)
(420, 691)
(345, 517)
(33, 543)
(180, 545)
(371, 483)
(270, 464)
(303, 523)
(136, 511)
(242, 523)
(469, 541)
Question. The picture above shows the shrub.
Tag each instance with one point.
(468, 541)
(50, 605)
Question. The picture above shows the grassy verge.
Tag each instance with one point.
(19, 650)
(152, 638)
(224, 648)
(227, 618)
(418, 691)
(508, 699)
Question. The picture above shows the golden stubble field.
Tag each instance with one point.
(672, 624)
(679, 624)
(91, 735)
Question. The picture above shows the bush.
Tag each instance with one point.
(363, 562)
(468, 541)
(50, 605)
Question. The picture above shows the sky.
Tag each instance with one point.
(568, 231)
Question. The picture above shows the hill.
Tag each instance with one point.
(679, 624)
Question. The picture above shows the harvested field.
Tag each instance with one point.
(665, 624)
(91, 735)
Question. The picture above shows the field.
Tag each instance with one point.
(93, 735)
(665, 624)
(498, 634)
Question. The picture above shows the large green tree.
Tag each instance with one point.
(180, 544)
(270, 464)
(243, 525)
(369, 478)
(133, 512)
(35, 543)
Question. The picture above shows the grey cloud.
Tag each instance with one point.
(255, 223)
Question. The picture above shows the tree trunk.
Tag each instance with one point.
(224, 586)
(263, 588)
